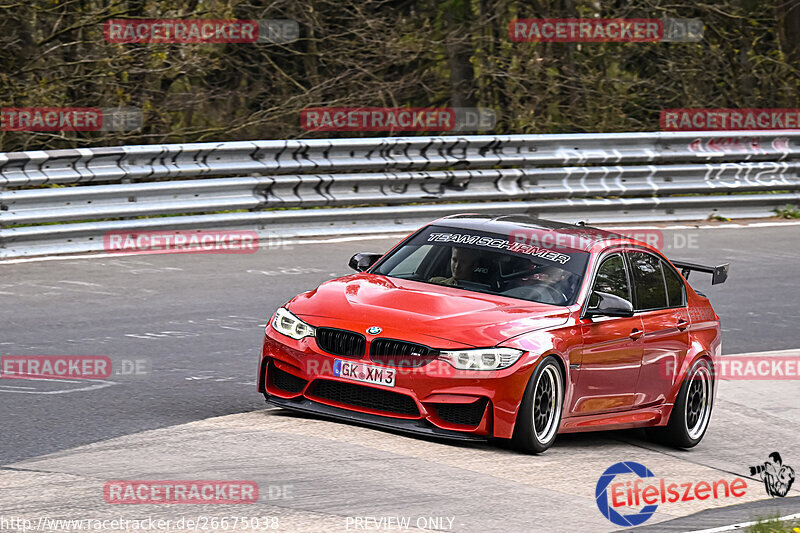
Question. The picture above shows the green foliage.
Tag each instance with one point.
(788, 211)
(415, 53)
(773, 525)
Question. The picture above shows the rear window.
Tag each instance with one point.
(648, 281)
(675, 288)
(488, 263)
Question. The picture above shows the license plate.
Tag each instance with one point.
(366, 373)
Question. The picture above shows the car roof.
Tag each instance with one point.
(585, 236)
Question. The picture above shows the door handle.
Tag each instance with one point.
(636, 334)
(683, 324)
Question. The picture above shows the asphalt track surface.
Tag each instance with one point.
(199, 319)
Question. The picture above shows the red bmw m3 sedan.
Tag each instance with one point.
(509, 327)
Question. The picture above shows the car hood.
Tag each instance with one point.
(410, 310)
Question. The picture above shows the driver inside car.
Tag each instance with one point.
(552, 276)
(462, 266)
(548, 274)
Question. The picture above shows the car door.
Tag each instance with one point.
(611, 353)
(660, 301)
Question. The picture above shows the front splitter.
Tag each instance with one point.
(415, 427)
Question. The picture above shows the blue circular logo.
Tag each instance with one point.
(374, 330)
(601, 494)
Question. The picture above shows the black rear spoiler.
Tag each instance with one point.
(718, 273)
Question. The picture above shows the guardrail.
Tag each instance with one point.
(625, 177)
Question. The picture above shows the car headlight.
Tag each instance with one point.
(482, 358)
(291, 326)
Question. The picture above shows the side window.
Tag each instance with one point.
(674, 287)
(648, 281)
(611, 278)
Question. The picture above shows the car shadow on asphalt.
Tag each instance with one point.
(633, 437)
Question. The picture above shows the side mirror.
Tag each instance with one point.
(609, 305)
(362, 261)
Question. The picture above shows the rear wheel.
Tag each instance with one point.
(692, 410)
(539, 414)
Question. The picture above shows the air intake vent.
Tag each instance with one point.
(466, 414)
(365, 397)
(286, 381)
(341, 342)
(400, 353)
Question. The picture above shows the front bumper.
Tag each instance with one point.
(416, 427)
(434, 400)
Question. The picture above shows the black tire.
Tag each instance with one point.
(691, 413)
(539, 414)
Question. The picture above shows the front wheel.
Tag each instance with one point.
(692, 410)
(539, 414)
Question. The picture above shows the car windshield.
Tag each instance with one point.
(489, 263)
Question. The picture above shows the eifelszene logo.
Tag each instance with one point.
(777, 477)
(601, 494)
(648, 491)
